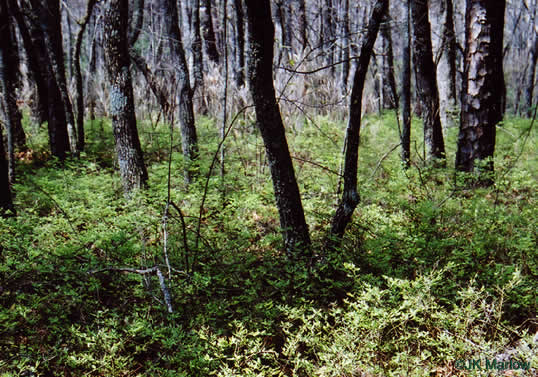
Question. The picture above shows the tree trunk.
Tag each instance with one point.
(186, 114)
(196, 46)
(345, 45)
(6, 202)
(269, 121)
(350, 196)
(239, 69)
(121, 108)
(9, 75)
(209, 32)
(406, 91)
(426, 81)
(35, 65)
(78, 75)
(328, 33)
(301, 16)
(529, 88)
(53, 43)
(391, 93)
(482, 104)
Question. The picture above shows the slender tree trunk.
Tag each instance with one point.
(138, 15)
(9, 75)
(78, 75)
(239, 70)
(345, 45)
(186, 114)
(350, 196)
(391, 93)
(35, 67)
(302, 23)
(426, 81)
(328, 34)
(121, 108)
(196, 46)
(531, 73)
(269, 121)
(482, 106)
(6, 202)
(451, 50)
(406, 90)
(53, 44)
(209, 32)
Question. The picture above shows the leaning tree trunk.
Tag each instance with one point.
(426, 81)
(269, 121)
(121, 108)
(406, 91)
(482, 102)
(186, 114)
(78, 75)
(350, 196)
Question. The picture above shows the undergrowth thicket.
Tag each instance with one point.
(430, 271)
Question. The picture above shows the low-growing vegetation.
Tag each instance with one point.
(430, 272)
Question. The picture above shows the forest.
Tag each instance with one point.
(268, 188)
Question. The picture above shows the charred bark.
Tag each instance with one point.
(121, 107)
(482, 100)
(269, 121)
(239, 69)
(426, 81)
(350, 196)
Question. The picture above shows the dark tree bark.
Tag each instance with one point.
(209, 32)
(9, 77)
(426, 81)
(196, 46)
(35, 22)
(186, 114)
(482, 102)
(450, 46)
(531, 77)
(239, 69)
(391, 93)
(6, 202)
(269, 121)
(78, 75)
(53, 42)
(406, 90)
(350, 196)
(130, 159)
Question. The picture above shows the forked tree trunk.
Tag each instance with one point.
(269, 121)
(121, 107)
(350, 196)
(426, 81)
(482, 102)
(189, 139)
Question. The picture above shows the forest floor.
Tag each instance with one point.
(431, 274)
